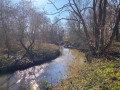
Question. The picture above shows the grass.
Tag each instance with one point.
(43, 53)
(45, 48)
(95, 76)
(101, 74)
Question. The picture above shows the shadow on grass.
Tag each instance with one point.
(115, 54)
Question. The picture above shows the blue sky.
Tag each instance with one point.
(48, 7)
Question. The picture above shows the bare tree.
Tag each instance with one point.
(27, 27)
(79, 8)
(5, 20)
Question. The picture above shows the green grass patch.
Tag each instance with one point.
(102, 75)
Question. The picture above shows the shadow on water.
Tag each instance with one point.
(34, 77)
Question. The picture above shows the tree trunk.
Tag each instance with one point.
(30, 54)
(103, 23)
(114, 31)
(117, 34)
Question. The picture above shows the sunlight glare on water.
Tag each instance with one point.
(34, 77)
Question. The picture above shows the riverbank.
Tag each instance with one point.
(100, 74)
(75, 45)
(44, 53)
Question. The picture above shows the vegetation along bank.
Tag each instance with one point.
(42, 53)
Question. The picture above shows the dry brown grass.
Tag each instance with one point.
(46, 47)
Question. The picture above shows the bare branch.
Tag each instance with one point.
(64, 6)
(64, 19)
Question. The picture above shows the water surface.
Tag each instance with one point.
(34, 77)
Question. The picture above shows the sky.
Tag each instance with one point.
(43, 4)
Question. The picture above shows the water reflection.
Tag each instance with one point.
(34, 77)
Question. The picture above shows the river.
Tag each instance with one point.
(34, 77)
